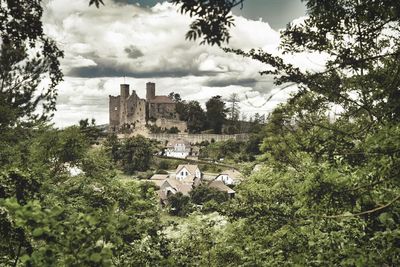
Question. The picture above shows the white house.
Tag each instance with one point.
(178, 148)
(190, 174)
(230, 177)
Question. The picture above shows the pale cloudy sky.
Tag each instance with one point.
(146, 42)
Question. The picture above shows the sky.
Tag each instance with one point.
(134, 42)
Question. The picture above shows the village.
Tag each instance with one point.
(130, 116)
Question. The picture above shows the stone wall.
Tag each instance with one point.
(136, 110)
(162, 110)
(198, 138)
(168, 124)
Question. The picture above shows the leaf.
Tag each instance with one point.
(37, 232)
(96, 257)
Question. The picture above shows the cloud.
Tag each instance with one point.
(102, 46)
(133, 52)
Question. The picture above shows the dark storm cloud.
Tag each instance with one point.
(133, 52)
(110, 71)
(250, 82)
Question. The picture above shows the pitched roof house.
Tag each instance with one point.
(187, 177)
(220, 186)
(230, 177)
(190, 174)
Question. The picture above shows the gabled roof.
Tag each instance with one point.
(191, 168)
(232, 173)
(220, 186)
(158, 183)
(179, 186)
(162, 99)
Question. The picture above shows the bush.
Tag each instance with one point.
(203, 193)
(179, 204)
(145, 175)
(163, 165)
(173, 130)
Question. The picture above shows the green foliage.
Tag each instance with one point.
(179, 204)
(113, 146)
(203, 194)
(173, 130)
(132, 154)
(91, 131)
(232, 150)
(328, 194)
(136, 153)
(163, 165)
(195, 117)
(50, 218)
(216, 113)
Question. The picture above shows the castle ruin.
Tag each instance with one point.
(128, 111)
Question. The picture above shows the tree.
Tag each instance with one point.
(91, 131)
(136, 154)
(180, 204)
(27, 58)
(202, 194)
(216, 113)
(321, 179)
(196, 118)
(176, 97)
(234, 109)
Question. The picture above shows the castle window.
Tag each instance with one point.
(116, 108)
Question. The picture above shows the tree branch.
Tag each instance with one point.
(364, 212)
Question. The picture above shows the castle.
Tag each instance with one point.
(128, 111)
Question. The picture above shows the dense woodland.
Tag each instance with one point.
(327, 193)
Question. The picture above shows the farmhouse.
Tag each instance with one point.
(178, 148)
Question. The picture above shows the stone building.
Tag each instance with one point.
(159, 106)
(129, 111)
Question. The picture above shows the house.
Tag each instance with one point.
(230, 177)
(178, 148)
(186, 178)
(220, 186)
(189, 174)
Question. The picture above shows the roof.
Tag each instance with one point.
(232, 173)
(159, 177)
(173, 183)
(162, 99)
(158, 183)
(220, 186)
(179, 186)
(191, 168)
(174, 142)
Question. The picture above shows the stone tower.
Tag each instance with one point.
(123, 103)
(150, 91)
